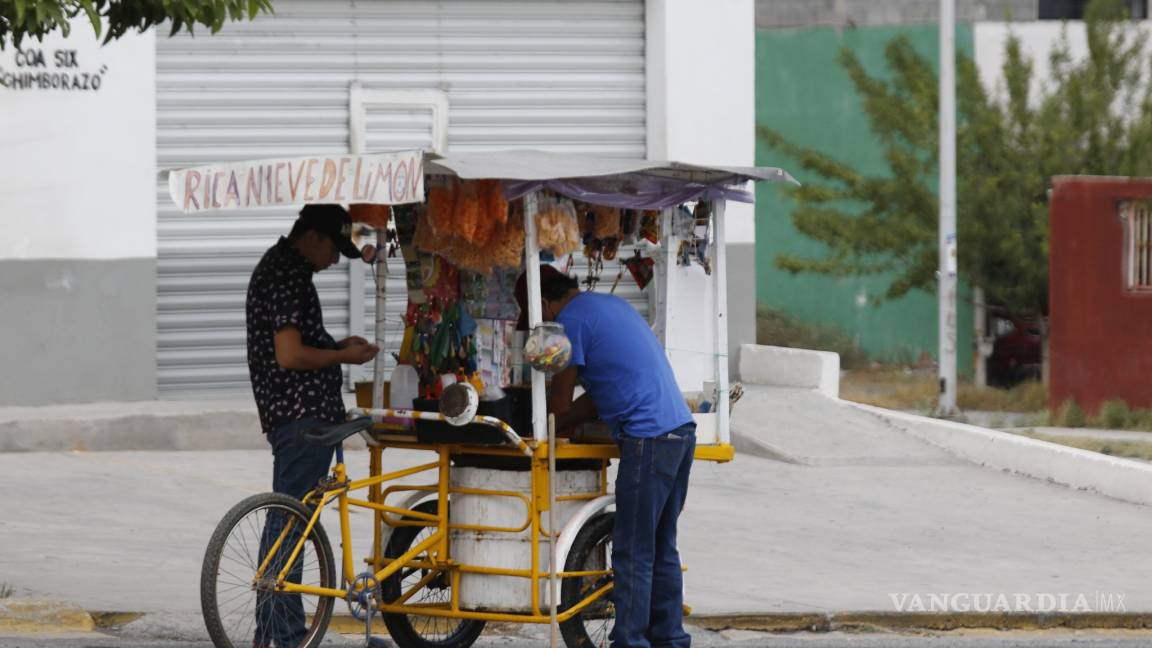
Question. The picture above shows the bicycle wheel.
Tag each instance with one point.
(416, 631)
(591, 551)
(241, 612)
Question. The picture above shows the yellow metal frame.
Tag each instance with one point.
(439, 558)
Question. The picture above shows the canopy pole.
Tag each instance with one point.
(381, 271)
(553, 536)
(535, 314)
(720, 303)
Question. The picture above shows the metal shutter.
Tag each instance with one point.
(563, 76)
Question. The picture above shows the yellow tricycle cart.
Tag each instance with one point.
(507, 523)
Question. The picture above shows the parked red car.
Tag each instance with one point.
(1016, 349)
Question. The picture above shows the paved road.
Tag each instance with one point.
(861, 515)
(701, 639)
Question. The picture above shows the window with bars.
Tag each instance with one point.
(1137, 218)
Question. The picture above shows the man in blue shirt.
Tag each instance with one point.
(629, 383)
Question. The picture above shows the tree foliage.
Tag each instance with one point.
(20, 19)
(1093, 117)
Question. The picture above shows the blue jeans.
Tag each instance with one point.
(297, 467)
(651, 484)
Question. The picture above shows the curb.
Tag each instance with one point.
(42, 615)
(1122, 479)
(73, 618)
(942, 621)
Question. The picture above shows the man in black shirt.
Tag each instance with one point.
(294, 364)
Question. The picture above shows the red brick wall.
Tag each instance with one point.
(1100, 342)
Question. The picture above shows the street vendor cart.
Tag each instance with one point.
(510, 523)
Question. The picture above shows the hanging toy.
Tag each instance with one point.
(641, 269)
(650, 226)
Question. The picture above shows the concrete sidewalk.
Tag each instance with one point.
(851, 512)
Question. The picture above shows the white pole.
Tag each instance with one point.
(381, 317)
(720, 285)
(535, 315)
(553, 535)
(948, 259)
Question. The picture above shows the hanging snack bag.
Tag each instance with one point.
(558, 229)
(506, 250)
(493, 210)
(441, 204)
(425, 238)
(607, 222)
(650, 226)
(467, 212)
(376, 216)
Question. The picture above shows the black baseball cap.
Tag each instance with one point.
(548, 273)
(332, 221)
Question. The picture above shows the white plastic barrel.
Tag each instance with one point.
(506, 550)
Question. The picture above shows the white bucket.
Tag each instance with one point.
(507, 550)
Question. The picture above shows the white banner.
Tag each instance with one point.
(384, 179)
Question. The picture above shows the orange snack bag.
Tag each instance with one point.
(441, 205)
(467, 213)
(370, 214)
(493, 210)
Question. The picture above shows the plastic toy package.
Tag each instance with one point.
(548, 349)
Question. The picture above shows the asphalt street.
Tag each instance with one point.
(537, 637)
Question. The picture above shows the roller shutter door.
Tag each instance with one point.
(561, 76)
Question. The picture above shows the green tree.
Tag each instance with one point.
(114, 18)
(1093, 117)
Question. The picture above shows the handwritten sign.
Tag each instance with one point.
(383, 179)
(56, 70)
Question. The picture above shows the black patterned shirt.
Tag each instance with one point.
(281, 294)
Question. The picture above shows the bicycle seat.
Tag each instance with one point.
(331, 435)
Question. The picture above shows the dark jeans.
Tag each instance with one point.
(297, 466)
(651, 484)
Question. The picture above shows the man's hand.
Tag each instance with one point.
(357, 351)
(292, 353)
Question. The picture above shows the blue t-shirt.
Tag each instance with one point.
(622, 366)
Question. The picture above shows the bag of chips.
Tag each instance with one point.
(467, 211)
(607, 222)
(441, 205)
(370, 214)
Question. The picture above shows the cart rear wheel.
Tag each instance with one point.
(231, 598)
(591, 551)
(416, 631)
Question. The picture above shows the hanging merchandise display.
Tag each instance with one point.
(373, 215)
(700, 235)
(493, 208)
(507, 246)
(500, 295)
(642, 269)
(629, 223)
(466, 214)
(441, 278)
(405, 218)
(557, 226)
(441, 205)
(649, 227)
(473, 292)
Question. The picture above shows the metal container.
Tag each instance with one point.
(507, 550)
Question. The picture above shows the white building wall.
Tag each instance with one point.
(701, 108)
(77, 212)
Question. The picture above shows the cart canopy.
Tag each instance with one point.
(616, 182)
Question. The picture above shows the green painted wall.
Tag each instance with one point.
(802, 92)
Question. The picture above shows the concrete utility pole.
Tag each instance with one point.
(948, 260)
